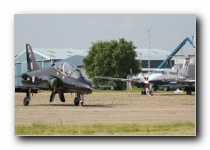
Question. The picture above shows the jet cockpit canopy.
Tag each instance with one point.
(68, 69)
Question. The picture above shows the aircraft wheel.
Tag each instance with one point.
(76, 102)
(26, 101)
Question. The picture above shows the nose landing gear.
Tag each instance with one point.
(79, 99)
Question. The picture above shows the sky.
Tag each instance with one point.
(167, 31)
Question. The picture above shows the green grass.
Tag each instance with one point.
(107, 129)
(134, 90)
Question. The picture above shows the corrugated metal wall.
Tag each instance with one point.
(155, 63)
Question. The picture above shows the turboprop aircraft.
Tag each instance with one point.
(159, 76)
(162, 77)
(61, 77)
(166, 76)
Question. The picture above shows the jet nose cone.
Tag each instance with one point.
(87, 86)
(90, 87)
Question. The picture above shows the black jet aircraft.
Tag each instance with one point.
(61, 77)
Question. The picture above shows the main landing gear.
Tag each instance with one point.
(189, 90)
(143, 92)
(79, 99)
(26, 100)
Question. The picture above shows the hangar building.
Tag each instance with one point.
(47, 56)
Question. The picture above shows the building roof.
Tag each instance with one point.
(77, 60)
(63, 53)
(155, 54)
(60, 53)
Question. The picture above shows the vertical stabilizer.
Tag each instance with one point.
(31, 60)
(185, 66)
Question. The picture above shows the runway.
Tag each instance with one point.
(107, 108)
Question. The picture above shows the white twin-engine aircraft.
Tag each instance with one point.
(165, 76)
(168, 75)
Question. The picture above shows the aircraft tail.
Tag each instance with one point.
(185, 66)
(31, 60)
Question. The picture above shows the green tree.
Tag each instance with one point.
(111, 58)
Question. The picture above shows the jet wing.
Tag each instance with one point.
(24, 89)
(178, 85)
(188, 84)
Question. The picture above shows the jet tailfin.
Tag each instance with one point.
(31, 60)
(185, 66)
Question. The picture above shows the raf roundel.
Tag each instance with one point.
(33, 79)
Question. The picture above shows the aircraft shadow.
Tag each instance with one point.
(72, 105)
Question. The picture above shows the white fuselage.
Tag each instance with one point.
(162, 75)
(168, 75)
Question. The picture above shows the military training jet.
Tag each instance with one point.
(61, 77)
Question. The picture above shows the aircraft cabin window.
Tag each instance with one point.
(68, 69)
(76, 74)
(59, 67)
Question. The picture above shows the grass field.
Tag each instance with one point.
(134, 90)
(185, 129)
(108, 113)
